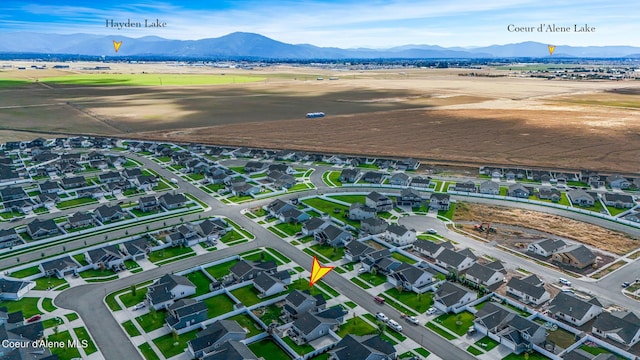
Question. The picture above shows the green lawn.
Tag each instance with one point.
(486, 343)
(271, 315)
(168, 253)
(130, 328)
(437, 329)
(334, 177)
(474, 350)
(595, 350)
(263, 256)
(422, 352)
(336, 210)
(64, 352)
(148, 79)
(76, 202)
(148, 352)
(597, 207)
(289, 229)
(20, 274)
(218, 305)
(418, 302)
(231, 236)
(532, 356)
(449, 213)
(72, 316)
(373, 279)
(83, 335)
(299, 349)
(28, 306)
(170, 347)
(247, 322)
(47, 305)
(201, 281)
(44, 283)
(457, 323)
(92, 273)
(615, 211)
(349, 198)
(403, 258)
(351, 304)
(302, 284)
(195, 177)
(360, 283)
(220, 270)
(331, 253)
(151, 320)
(355, 326)
(561, 337)
(248, 295)
(269, 350)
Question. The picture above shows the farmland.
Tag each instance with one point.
(428, 114)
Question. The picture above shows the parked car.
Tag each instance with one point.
(626, 284)
(432, 231)
(382, 317)
(411, 319)
(34, 318)
(394, 325)
(431, 311)
(139, 306)
(471, 330)
(564, 281)
(362, 270)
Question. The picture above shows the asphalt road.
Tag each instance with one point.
(87, 299)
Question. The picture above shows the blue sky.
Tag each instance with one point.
(346, 24)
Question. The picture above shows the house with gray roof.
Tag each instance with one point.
(270, 284)
(14, 289)
(618, 200)
(59, 267)
(309, 326)
(106, 257)
(49, 187)
(411, 278)
(167, 289)
(355, 250)
(581, 197)
(184, 313)
(333, 236)
(349, 175)
(450, 259)
(170, 201)
(80, 219)
(549, 193)
(620, 326)
(74, 182)
(13, 193)
(618, 182)
(439, 201)
(232, 350)
(360, 211)
(489, 187)
(293, 216)
(39, 229)
(378, 201)
(373, 226)
(576, 256)
(314, 225)
(214, 336)
(353, 347)
(138, 248)
(246, 270)
(519, 191)
(483, 275)
(513, 330)
(399, 235)
(546, 247)
(431, 249)
(106, 213)
(9, 238)
(528, 290)
(574, 310)
(410, 197)
(450, 297)
(373, 177)
(299, 302)
(400, 179)
(254, 167)
(420, 182)
(466, 186)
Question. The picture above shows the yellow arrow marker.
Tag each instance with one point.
(318, 271)
(552, 48)
(116, 45)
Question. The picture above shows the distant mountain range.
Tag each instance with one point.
(241, 44)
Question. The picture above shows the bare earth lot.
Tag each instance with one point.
(592, 235)
(423, 113)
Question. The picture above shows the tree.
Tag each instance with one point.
(381, 327)
(174, 334)
(133, 290)
(55, 330)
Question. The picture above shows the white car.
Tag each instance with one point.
(564, 281)
(431, 311)
(412, 319)
(362, 270)
(432, 231)
(139, 306)
(394, 325)
(382, 317)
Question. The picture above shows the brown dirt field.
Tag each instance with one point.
(430, 114)
(592, 235)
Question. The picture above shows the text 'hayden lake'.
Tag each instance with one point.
(157, 23)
